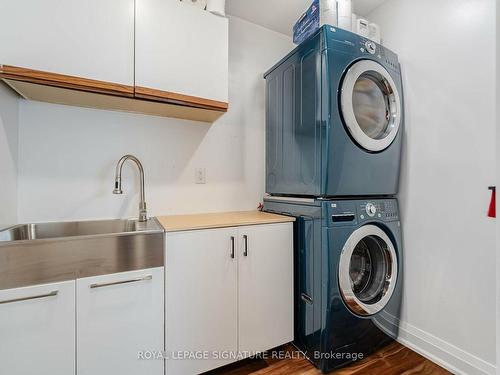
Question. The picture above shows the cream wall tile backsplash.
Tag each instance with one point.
(67, 154)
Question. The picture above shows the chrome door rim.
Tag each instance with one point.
(350, 79)
(353, 303)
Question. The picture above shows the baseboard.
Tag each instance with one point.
(443, 353)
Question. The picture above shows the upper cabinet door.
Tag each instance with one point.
(181, 50)
(92, 39)
(265, 298)
(37, 330)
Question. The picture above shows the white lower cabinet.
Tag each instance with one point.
(112, 324)
(229, 294)
(37, 330)
(201, 300)
(120, 320)
(265, 288)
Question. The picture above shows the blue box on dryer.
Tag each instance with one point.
(307, 24)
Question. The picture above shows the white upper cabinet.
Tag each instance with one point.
(181, 49)
(265, 297)
(160, 57)
(37, 330)
(91, 39)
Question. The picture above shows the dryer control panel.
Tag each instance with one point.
(378, 53)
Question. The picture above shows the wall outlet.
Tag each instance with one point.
(200, 176)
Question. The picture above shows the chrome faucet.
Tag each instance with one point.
(143, 214)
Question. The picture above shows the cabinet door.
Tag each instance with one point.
(89, 39)
(265, 295)
(120, 321)
(37, 330)
(181, 49)
(201, 302)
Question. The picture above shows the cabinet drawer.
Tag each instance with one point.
(37, 330)
(119, 317)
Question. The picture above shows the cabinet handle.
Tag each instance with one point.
(232, 247)
(51, 294)
(148, 277)
(245, 249)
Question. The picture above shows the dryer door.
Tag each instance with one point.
(371, 105)
(368, 270)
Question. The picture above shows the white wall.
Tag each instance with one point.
(447, 49)
(498, 181)
(68, 154)
(8, 156)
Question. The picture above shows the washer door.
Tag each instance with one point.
(368, 270)
(371, 105)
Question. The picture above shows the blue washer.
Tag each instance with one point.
(348, 276)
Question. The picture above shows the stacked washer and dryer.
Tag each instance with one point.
(333, 147)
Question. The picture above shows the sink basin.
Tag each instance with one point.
(32, 254)
(44, 231)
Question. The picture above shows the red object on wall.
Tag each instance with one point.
(492, 209)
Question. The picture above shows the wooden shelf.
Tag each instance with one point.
(65, 81)
(173, 98)
(58, 95)
(82, 92)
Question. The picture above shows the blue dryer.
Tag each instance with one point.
(334, 118)
(348, 276)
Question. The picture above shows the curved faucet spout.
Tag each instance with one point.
(143, 215)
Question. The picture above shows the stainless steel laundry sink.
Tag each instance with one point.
(49, 252)
(44, 231)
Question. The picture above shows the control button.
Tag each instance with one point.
(371, 47)
(371, 210)
(362, 217)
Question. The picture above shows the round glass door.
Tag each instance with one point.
(367, 270)
(371, 105)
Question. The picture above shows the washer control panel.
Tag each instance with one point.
(355, 212)
(370, 209)
(386, 210)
